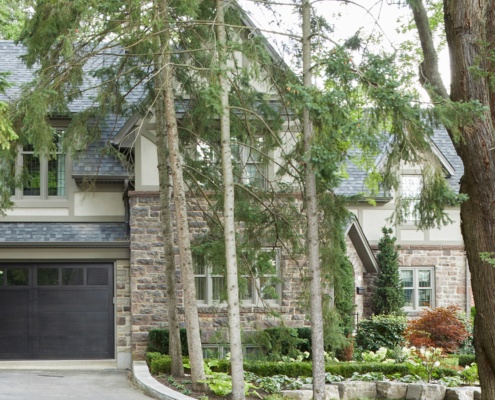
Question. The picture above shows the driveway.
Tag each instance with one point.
(68, 385)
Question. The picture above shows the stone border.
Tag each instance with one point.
(149, 385)
(338, 391)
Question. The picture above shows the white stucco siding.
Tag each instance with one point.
(146, 165)
(98, 204)
(38, 212)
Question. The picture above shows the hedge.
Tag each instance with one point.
(158, 341)
(466, 359)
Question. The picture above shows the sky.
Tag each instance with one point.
(368, 16)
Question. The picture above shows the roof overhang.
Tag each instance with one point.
(363, 248)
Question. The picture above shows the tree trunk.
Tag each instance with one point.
(470, 27)
(236, 358)
(190, 305)
(312, 239)
(174, 344)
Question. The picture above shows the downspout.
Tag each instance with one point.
(125, 197)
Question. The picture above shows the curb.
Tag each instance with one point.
(149, 385)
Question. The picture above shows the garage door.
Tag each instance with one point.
(56, 311)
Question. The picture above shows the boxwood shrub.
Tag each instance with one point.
(158, 341)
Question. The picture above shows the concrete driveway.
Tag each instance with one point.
(68, 385)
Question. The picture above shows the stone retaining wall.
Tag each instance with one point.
(355, 390)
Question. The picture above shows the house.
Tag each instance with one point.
(82, 270)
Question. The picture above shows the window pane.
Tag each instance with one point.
(17, 277)
(200, 283)
(97, 276)
(424, 278)
(424, 297)
(56, 176)
(411, 186)
(246, 288)
(199, 268)
(268, 288)
(72, 276)
(47, 276)
(217, 288)
(31, 165)
(406, 276)
(408, 298)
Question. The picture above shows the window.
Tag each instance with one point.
(44, 176)
(418, 284)
(249, 159)
(410, 191)
(260, 286)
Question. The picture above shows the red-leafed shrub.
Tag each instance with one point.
(440, 327)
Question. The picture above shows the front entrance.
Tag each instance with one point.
(52, 311)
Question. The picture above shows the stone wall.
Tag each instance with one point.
(451, 277)
(148, 303)
(123, 312)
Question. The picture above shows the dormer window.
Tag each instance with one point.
(44, 176)
(410, 192)
(249, 159)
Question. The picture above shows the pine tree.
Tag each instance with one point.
(388, 297)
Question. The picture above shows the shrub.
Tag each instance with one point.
(160, 365)
(158, 341)
(280, 341)
(466, 359)
(380, 331)
(388, 297)
(440, 328)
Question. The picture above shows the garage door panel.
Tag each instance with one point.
(68, 320)
(75, 300)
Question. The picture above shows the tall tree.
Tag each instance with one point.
(470, 28)
(180, 200)
(228, 212)
(388, 297)
(311, 205)
(175, 348)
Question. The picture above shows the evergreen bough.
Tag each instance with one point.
(388, 297)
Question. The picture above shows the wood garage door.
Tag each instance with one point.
(55, 311)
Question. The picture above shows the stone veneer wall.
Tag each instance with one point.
(148, 303)
(123, 312)
(450, 271)
(359, 280)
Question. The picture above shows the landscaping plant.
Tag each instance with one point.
(380, 331)
(388, 297)
(439, 328)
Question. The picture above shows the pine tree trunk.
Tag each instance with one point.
(469, 26)
(236, 358)
(190, 305)
(312, 241)
(174, 344)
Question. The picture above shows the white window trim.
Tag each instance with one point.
(416, 307)
(255, 301)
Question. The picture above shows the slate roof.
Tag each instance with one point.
(355, 183)
(56, 232)
(93, 161)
